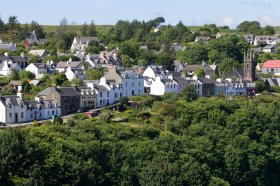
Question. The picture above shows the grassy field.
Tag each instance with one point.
(76, 28)
(277, 29)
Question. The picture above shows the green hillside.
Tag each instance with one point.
(277, 29)
(75, 28)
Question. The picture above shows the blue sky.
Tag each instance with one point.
(197, 12)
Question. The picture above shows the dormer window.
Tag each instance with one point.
(10, 105)
(21, 105)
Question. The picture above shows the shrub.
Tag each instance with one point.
(58, 121)
(80, 116)
(151, 132)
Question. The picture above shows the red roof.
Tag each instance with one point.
(272, 64)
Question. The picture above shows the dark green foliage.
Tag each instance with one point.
(199, 72)
(189, 93)
(94, 48)
(80, 116)
(210, 141)
(260, 86)
(95, 74)
(253, 27)
(165, 60)
(195, 54)
(124, 100)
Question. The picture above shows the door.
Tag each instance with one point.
(16, 117)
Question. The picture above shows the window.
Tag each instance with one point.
(116, 95)
(48, 112)
(31, 115)
(10, 105)
(21, 105)
(10, 115)
(100, 94)
(107, 94)
(22, 115)
(247, 66)
(40, 114)
(132, 84)
(100, 102)
(126, 84)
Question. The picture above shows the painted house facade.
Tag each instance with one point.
(132, 82)
(271, 66)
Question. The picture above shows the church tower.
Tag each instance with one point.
(250, 66)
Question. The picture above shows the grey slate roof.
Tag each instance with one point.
(101, 88)
(180, 80)
(238, 73)
(15, 83)
(65, 64)
(167, 81)
(195, 67)
(63, 91)
(269, 46)
(15, 100)
(206, 80)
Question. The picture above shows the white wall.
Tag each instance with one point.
(149, 72)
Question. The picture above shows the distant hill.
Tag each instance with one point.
(105, 28)
(277, 29)
(76, 28)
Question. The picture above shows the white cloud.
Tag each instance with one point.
(227, 20)
(269, 20)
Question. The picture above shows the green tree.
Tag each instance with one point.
(34, 59)
(199, 72)
(260, 86)
(84, 29)
(34, 26)
(195, 54)
(165, 60)
(23, 74)
(95, 74)
(189, 93)
(92, 29)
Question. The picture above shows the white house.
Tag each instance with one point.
(176, 47)
(269, 49)
(203, 39)
(41, 109)
(12, 109)
(80, 43)
(63, 65)
(265, 40)
(8, 46)
(39, 69)
(115, 89)
(163, 85)
(74, 73)
(6, 67)
(41, 53)
(152, 71)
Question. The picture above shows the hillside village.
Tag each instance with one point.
(77, 91)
